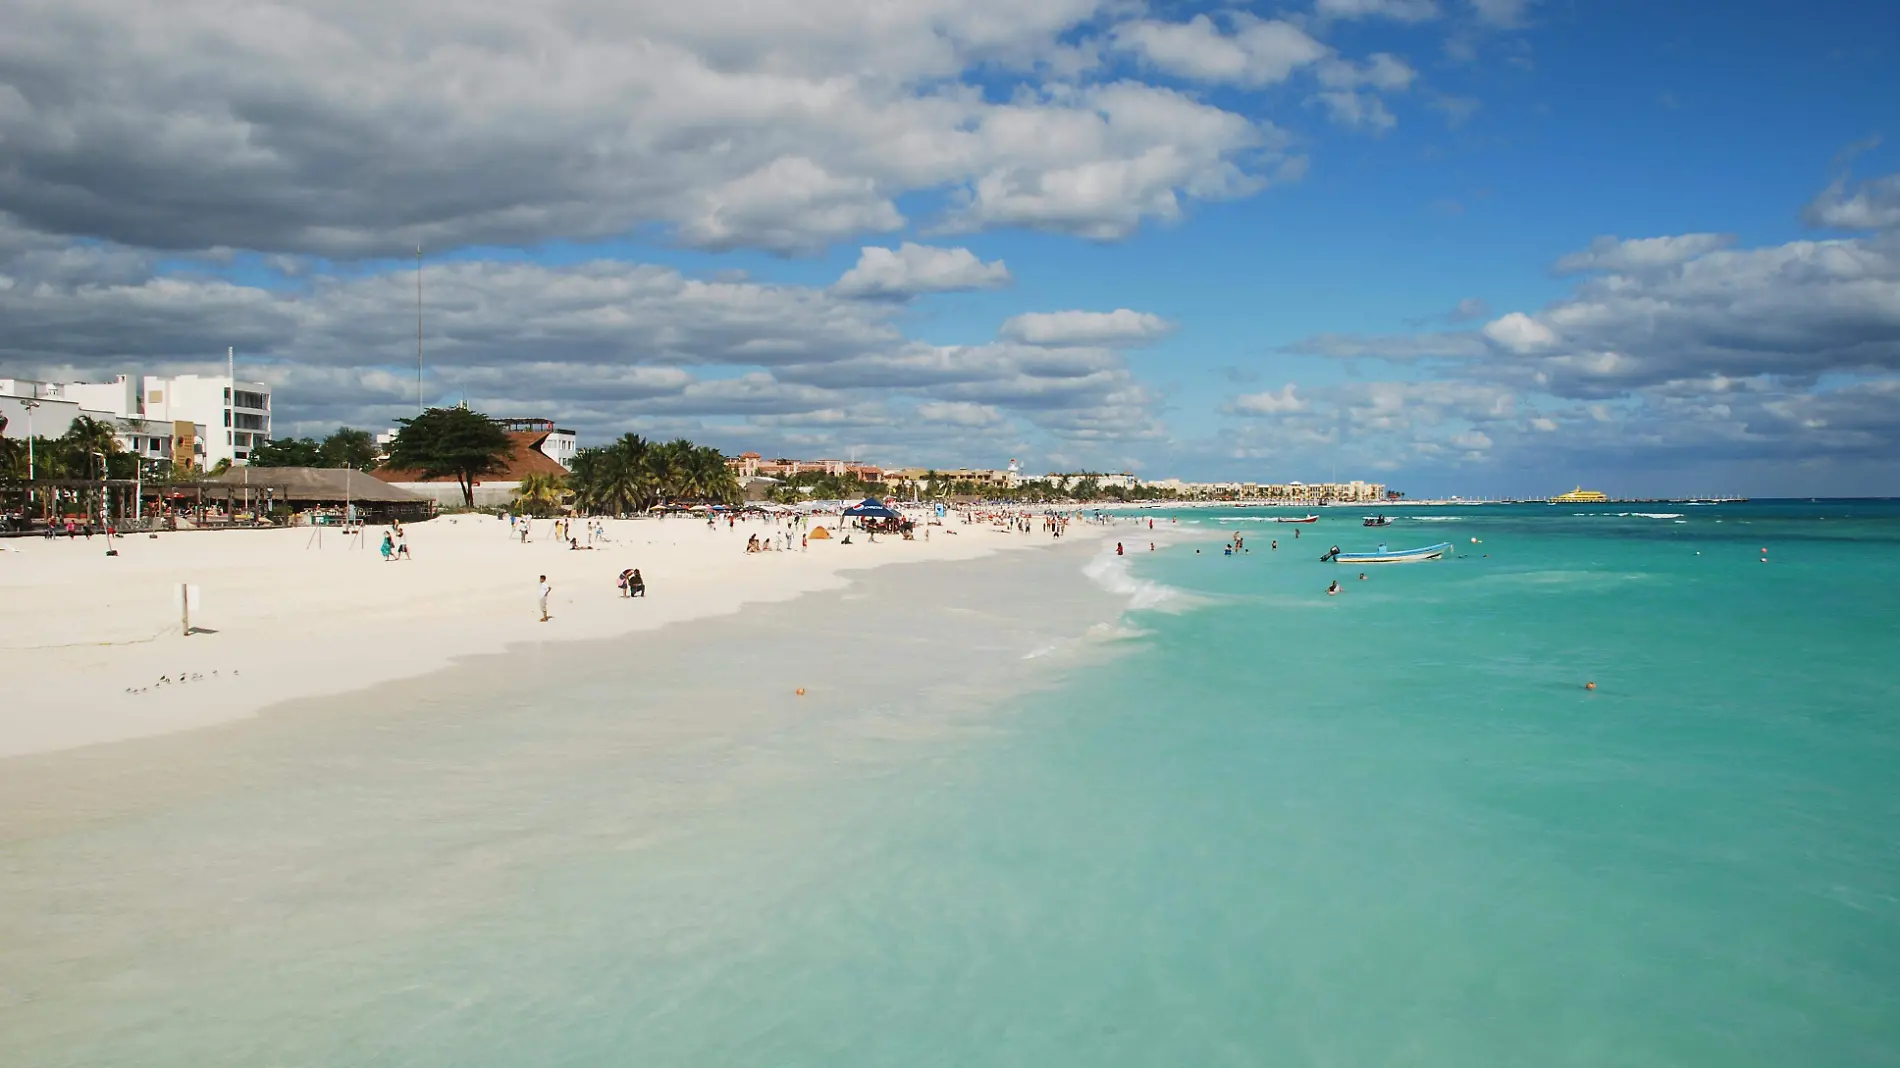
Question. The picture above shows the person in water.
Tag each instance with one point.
(1118, 548)
(1362, 576)
(1332, 589)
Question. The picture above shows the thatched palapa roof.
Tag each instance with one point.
(320, 484)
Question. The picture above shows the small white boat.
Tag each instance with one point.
(1392, 556)
(1292, 519)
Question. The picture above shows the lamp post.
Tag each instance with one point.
(29, 404)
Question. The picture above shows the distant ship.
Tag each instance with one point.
(1579, 496)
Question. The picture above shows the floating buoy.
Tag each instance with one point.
(801, 691)
(1589, 685)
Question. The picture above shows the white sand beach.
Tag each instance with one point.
(93, 648)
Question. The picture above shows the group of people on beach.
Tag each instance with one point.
(630, 582)
(778, 542)
(395, 543)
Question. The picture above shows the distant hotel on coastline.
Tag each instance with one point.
(750, 466)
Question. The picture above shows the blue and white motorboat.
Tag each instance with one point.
(1392, 556)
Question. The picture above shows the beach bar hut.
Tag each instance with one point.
(321, 489)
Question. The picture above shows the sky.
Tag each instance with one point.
(1478, 247)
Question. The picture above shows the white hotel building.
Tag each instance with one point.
(236, 415)
(152, 414)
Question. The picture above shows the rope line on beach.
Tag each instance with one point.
(82, 645)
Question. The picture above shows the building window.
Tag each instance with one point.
(158, 396)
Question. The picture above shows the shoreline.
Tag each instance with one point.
(87, 638)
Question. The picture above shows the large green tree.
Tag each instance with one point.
(286, 452)
(451, 443)
(348, 447)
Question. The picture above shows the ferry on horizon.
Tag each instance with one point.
(1580, 496)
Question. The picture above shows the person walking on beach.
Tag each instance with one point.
(545, 590)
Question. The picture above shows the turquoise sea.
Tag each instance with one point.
(1053, 809)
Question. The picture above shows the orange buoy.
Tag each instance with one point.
(1589, 685)
(801, 691)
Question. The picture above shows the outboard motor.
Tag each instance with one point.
(1328, 555)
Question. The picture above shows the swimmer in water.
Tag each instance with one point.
(1362, 576)
(1332, 589)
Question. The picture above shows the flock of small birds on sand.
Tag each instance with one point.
(183, 677)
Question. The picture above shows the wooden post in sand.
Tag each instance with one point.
(187, 594)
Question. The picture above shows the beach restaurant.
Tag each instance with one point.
(326, 493)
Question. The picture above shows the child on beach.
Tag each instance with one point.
(545, 591)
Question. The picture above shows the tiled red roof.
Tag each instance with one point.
(527, 459)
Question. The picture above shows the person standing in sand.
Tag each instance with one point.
(545, 591)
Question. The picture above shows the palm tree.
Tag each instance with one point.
(93, 439)
(539, 494)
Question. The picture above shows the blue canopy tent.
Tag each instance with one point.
(872, 508)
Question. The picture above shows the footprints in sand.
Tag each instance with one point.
(181, 679)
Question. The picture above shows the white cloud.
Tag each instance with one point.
(1396, 10)
(1108, 158)
(603, 346)
(1284, 402)
(350, 130)
(1121, 327)
(1610, 253)
(1520, 333)
(1256, 52)
(1358, 110)
(1382, 70)
(912, 269)
(961, 414)
(1500, 13)
(1872, 205)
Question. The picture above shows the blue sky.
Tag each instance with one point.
(1262, 242)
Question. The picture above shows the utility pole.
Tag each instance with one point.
(29, 404)
(418, 329)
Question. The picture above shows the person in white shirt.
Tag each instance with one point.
(545, 590)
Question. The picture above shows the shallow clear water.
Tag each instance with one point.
(1246, 824)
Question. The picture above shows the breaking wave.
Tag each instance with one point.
(1113, 574)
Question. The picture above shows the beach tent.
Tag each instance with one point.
(819, 534)
(872, 508)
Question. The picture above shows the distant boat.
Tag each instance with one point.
(1385, 556)
(1377, 521)
(1579, 496)
(1289, 519)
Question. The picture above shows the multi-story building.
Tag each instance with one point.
(236, 415)
(48, 409)
(750, 465)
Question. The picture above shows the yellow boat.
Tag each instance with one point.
(1579, 496)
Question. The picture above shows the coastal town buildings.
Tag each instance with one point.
(751, 465)
(47, 409)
